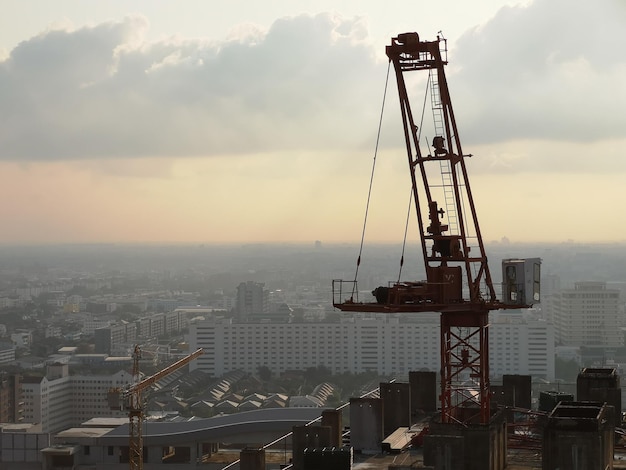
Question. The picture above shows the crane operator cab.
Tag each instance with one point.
(521, 281)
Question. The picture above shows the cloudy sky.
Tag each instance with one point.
(245, 121)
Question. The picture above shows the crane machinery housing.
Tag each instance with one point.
(458, 281)
(130, 399)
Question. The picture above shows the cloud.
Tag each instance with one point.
(103, 92)
(534, 75)
(552, 69)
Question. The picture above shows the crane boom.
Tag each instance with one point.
(148, 381)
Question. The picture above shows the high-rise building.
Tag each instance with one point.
(10, 398)
(252, 300)
(587, 315)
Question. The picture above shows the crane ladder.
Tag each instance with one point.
(447, 183)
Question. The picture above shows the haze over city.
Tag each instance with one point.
(213, 122)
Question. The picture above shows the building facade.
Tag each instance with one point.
(387, 344)
(11, 406)
(252, 300)
(587, 315)
(59, 400)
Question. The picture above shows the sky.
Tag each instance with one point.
(241, 121)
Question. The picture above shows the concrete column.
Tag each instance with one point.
(252, 459)
(423, 393)
(193, 452)
(396, 399)
(517, 390)
(333, 419)
(366, 424)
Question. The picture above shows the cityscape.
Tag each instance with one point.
(264, 317)
(182, 280)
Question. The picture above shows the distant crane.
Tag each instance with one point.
(130, 398)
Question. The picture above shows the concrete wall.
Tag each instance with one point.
(473, 447)
(396, 399)
(23, 447)
(579, 436)
(423, 393)
(366, 424)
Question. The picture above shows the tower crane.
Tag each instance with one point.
(458, 281)
(130, 398)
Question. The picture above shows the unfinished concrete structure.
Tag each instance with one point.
(550, 398)
(467, 446)
(579, 436)
(308, 437)
(423, 393)
(515, 393)
(333, 419)
(366, 424)
(601, 385)
(396, 399)
(331, 458)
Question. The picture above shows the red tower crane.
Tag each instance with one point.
(458, 281)
(130, 398)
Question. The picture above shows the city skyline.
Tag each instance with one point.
(150, 122)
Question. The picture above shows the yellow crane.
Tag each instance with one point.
(130, 398)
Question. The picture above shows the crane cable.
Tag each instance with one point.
(369, 193)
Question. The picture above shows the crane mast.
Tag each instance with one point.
(131, 398)
(458, 281)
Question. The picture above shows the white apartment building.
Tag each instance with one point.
(387, 344)
(519, 345)
(90, 325)
(89, 395)
(59, 401)
(587, 315)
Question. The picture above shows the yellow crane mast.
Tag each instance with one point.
(131, 398)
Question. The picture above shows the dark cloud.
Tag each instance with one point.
(551, 70)
(100, 92)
